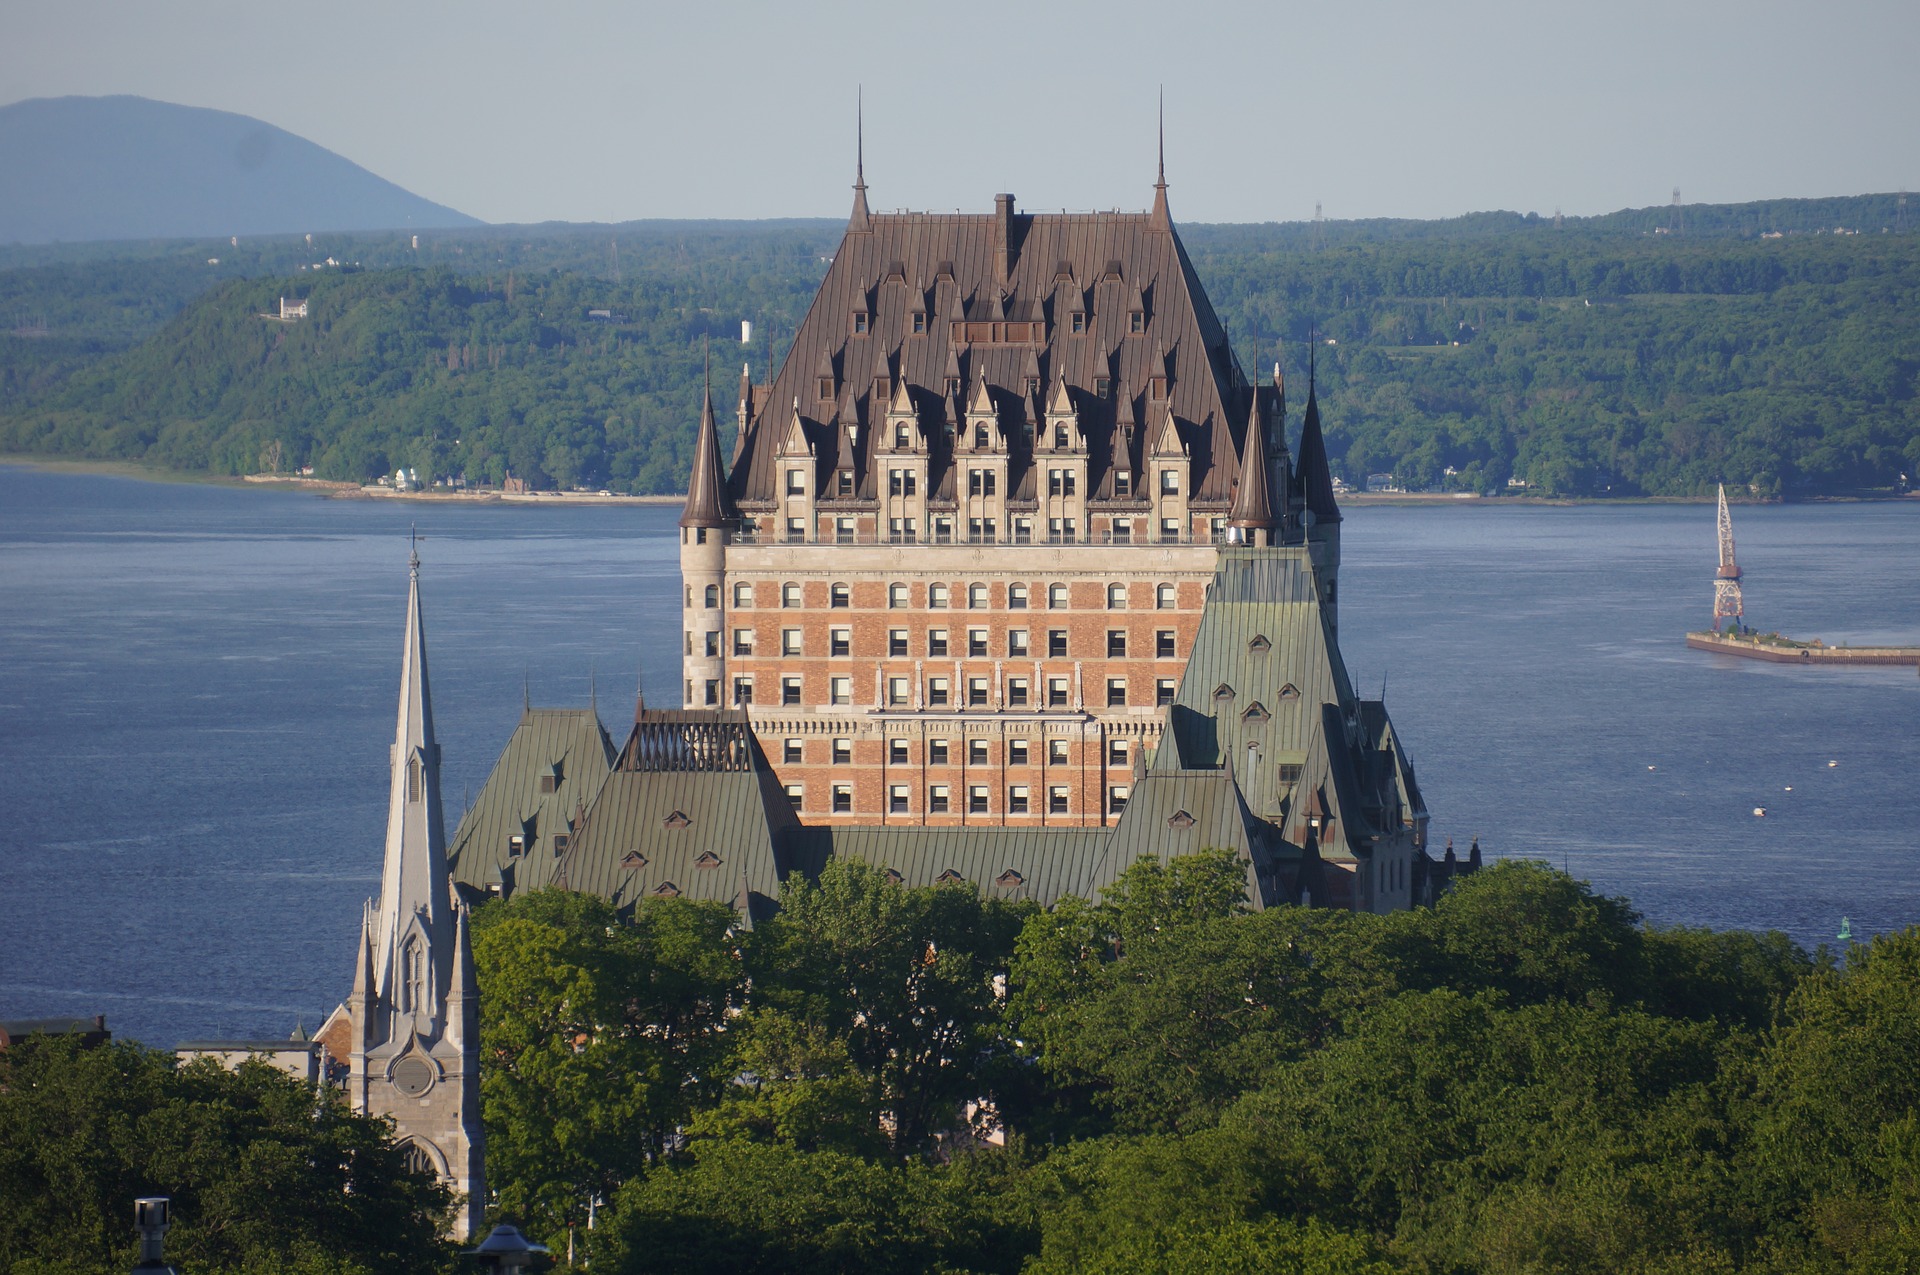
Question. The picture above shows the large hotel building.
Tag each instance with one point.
(1007, 575)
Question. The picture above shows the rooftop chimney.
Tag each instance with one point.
(1003, 234)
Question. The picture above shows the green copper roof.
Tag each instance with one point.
(552, 766)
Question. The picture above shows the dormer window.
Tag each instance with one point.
(1157, 386)
(1123, 484)
(1103, 385)
(979, 435)
(1136, 322)
(1077, 323)
(919, 323)
(678, 819)
(900, 436)
(826, 388)
(859, 322)
(845, 482)
(1033, 385)
(953, 385)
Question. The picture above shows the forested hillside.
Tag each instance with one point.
(1591, 358)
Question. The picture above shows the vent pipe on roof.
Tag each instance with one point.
(1003, 234)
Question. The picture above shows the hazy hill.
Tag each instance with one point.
(92, 168)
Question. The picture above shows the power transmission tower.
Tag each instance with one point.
(1673, 215)
(1319, 227)
(1727, 604)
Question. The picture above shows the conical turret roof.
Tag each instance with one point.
(1252, 500)
(707, 502)
(1315, 479)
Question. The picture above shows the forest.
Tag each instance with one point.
(1524, 1078)
(1651, 352)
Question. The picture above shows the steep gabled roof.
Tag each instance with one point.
(565, 745)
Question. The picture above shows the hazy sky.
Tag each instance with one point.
(548, 110)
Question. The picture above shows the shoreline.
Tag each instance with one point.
(333, 490)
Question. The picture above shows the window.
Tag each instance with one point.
(900, 482)
(713, 597)
(897, 595)
(900, 439)
(1056, 752)
(1163, 692)
(843, 527)
(1123, 484)
(976, 692)
(1123, 531)
(896, 752)
(1023, 531)
(1076, 323)
(1103, 385)
(843, 752)
(977, 752)
(1163, 596)
(713, 692)
(1056, 644)
(1057, 596)
(1057, 799)
(1017, 799)
(1016, 692)
(841, 689)
(840, 596)
(919, 323)
(1016, 752)
(897, 799)
(796, 482)
(842, 799)
(794, 752)
(943, 531)
(1116, 597)
(979, 435)
(743, 595)
(789, 692)
(896, 643)
(743, 641)
(859, 321)
(1163, 647)
(936, 641)
(936, 752)
(689, 597)
(936, 692)
(976, 596)
(1170, 530)
(1016, 597)
(840, 642)
(689, 635)
(1170, 482)
(1136, 321)
(795, 794)
(1060, 482)
(937, 799)
(982, 530)
(713, 642)
(898, 694)
(796, 532)
(1116, 644)
(936, 596)
(976, 643)
(1119, 754)
(790, 641)
(1016, 642)
(1289, 773)
(1117, 798)
(1056, 692)
(1116, 692)
(977, 800)
(743, 690)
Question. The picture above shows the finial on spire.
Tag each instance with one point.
(413, 548)
(1162, 219)
(859, 222)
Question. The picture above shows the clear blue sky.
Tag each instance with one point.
(557, 110)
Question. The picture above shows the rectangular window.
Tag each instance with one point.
(901, 482)
(843, 752)
(859, 321)
(1017, 799)
(977, 752)
(843, 527)
(713, 642)
(936, 692)
(1116, 644)
(743, 641)
(1170, 482)
(1056, 752)
(1169, 530)
(1016, 641)
(743, 690)
(790, 641)
(796, 793)
(896, 752)
(981, 482)
(1119, 754)
(713, 595)
(789, 692)
(1056, 644)
(1123, 531)
(842, 799)
(1163, 692)
(713, 692)
(1023, 531)
(1163, 648)
(896, 643)
(1117, 798)
(840, 642)
(943, 531)
(977, 800)
(896, 595)
(796, 482)
(1116, 692)
(1016, 692)
(897, 799)
(936, 752)
(842, 690)
(976, 643)
(1056, 692)
(936, 641)
(1016, 752)
(796, 534)
(1289, 773)
(1077, 323)
(1016, 597)
(793, 752)
(840, 596)
(937, 799)
(1123, 484)
(899, 695)
(1057, 800)
(919, 323)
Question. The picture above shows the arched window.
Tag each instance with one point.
(743, 594)
(1057, 596)
(1163, 596)
(1116, 597)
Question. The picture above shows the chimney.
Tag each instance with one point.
(1003, 234)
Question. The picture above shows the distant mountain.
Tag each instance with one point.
(93, 168)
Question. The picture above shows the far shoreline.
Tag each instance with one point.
(331, 490)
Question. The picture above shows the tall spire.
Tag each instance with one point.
(1315, 476)
(413, 877)
(858, 222)
(1162, 218)
(707, 503)
(1252, 500)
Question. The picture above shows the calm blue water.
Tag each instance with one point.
(197, 687)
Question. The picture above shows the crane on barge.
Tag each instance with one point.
(1727, 603)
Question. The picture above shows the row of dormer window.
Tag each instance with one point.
(982, 482)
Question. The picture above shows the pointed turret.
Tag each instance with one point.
(707, 502)
(1252, 501)
(463, 992)
(1162, 218)
(859, 223)
(1314, 476)
(413, 877)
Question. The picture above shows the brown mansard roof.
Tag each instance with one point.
(947, 268)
